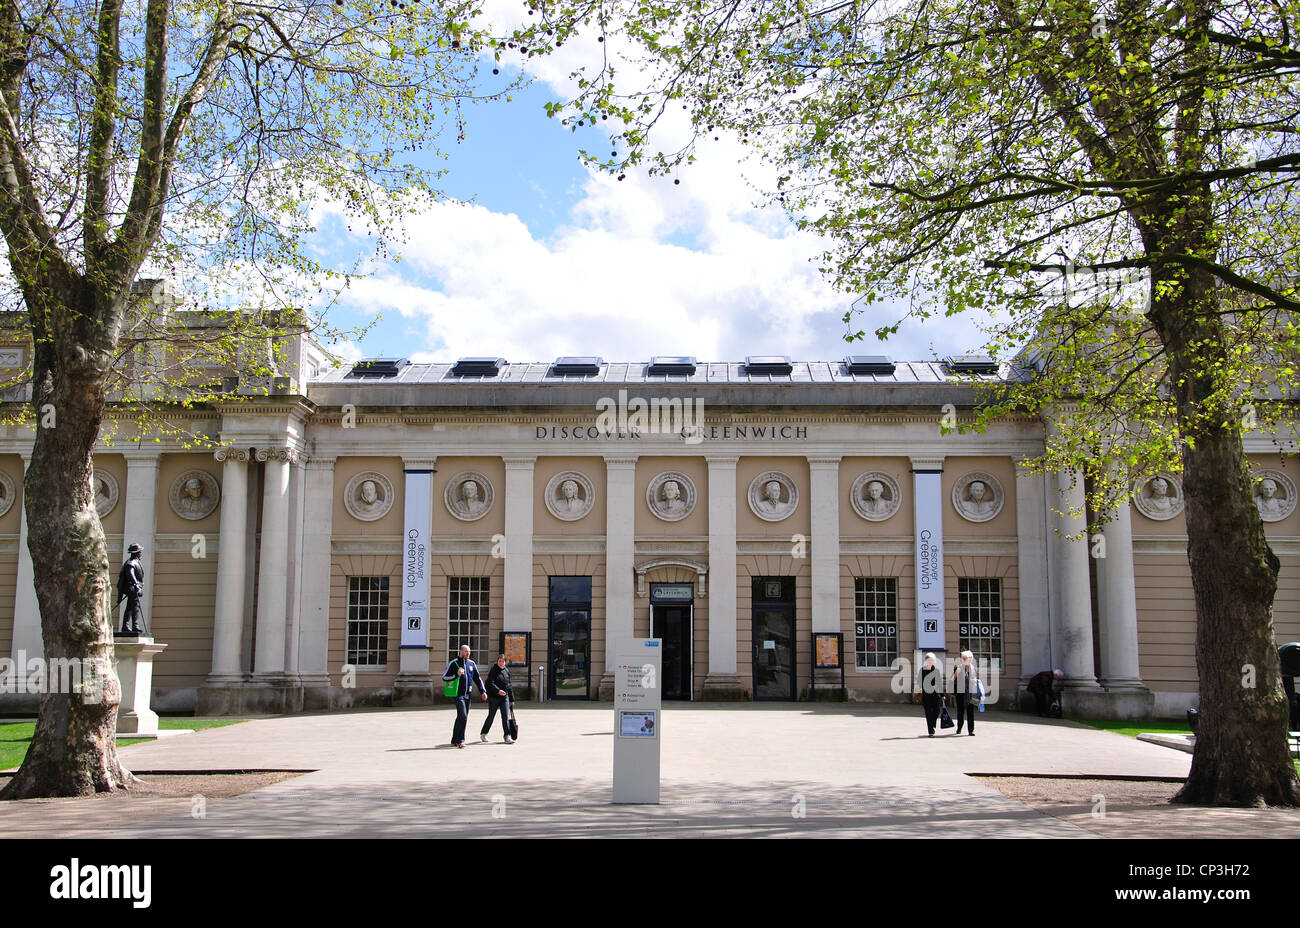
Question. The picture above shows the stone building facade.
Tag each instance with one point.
(358, 524)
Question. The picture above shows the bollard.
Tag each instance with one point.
(541, 683)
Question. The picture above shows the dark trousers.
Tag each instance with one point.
(462, 716)
(133, 615)
(497, 703)
(965, 712)
(931, 711)
(1042, 702)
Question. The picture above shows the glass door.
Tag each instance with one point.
(672, 624)
(569, 633)
(774, 643)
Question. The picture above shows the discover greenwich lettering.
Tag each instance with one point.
(705, 433)
(76, 880)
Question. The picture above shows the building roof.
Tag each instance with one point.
(396, 383)
(636, 372)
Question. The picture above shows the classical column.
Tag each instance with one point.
(228, 620)
(27, 614)
(414, 683)
(722, 682)
(141, 503)
(316, 567)
(1031, 561)
(272, 567)
(1073, 589)
(1117, 619)
(519, 545)
(620, 595)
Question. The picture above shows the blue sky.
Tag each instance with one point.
(551, 258)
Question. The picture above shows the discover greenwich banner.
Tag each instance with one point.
(927, 494)
(415, 559)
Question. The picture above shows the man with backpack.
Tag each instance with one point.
(464, 673)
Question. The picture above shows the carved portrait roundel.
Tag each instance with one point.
(468, 496)
(368, 496)
(773, 496)
(977, 496)
(570, 495)
(875, 496)
(6, 493)
(194, 494)
(671, 496)
(1159, 498)
(1275, 495)
(106, 492)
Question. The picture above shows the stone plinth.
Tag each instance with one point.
(133, 658)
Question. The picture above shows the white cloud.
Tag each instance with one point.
(644, 266)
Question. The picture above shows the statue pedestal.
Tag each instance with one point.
(133, 658)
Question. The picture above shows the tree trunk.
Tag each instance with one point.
(1241, 756)
(74, 750)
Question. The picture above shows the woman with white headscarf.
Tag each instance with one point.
(931, 690)
(965, 679)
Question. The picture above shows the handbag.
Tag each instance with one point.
(451, 687)
(513, 723)
(945, 720)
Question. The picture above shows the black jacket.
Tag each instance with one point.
(130, 582)
(499, 679)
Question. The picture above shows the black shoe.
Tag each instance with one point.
(971, 733)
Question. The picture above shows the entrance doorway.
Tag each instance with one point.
(672, 608)
(569, 634)
(774, 641)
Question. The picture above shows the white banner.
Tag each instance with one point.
(415, 560)
(927, 493)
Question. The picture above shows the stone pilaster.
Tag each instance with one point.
(723, 682)
(620, 558)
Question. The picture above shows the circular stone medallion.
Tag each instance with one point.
(671, 496)
(773, 496)
(570, 496)
(106, 492)
(468, 496)
(1159, 498)
(875, 496)
(978, 496)
(1275, 495)
(368, 496)
(194, 494)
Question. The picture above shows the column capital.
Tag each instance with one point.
(620, 461)
(419, 462)
(231, 453)
(142, 458)
(318, 462)
(722, 460)
(824, 460)
(520, 461)
(927, 462)
(285, 455)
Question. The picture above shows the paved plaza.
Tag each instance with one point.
(742, 770)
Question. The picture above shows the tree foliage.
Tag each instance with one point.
(1112, 184)
(200, 140)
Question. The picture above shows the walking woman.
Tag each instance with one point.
(931, 690)
(500, 693)
(965, 678)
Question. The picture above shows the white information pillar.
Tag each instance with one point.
(927, 495)
(638, 721)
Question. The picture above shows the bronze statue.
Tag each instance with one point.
(130, 586)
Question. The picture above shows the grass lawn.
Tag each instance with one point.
(15, 736)
(1133, 729)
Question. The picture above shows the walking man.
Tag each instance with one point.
(466, 671)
